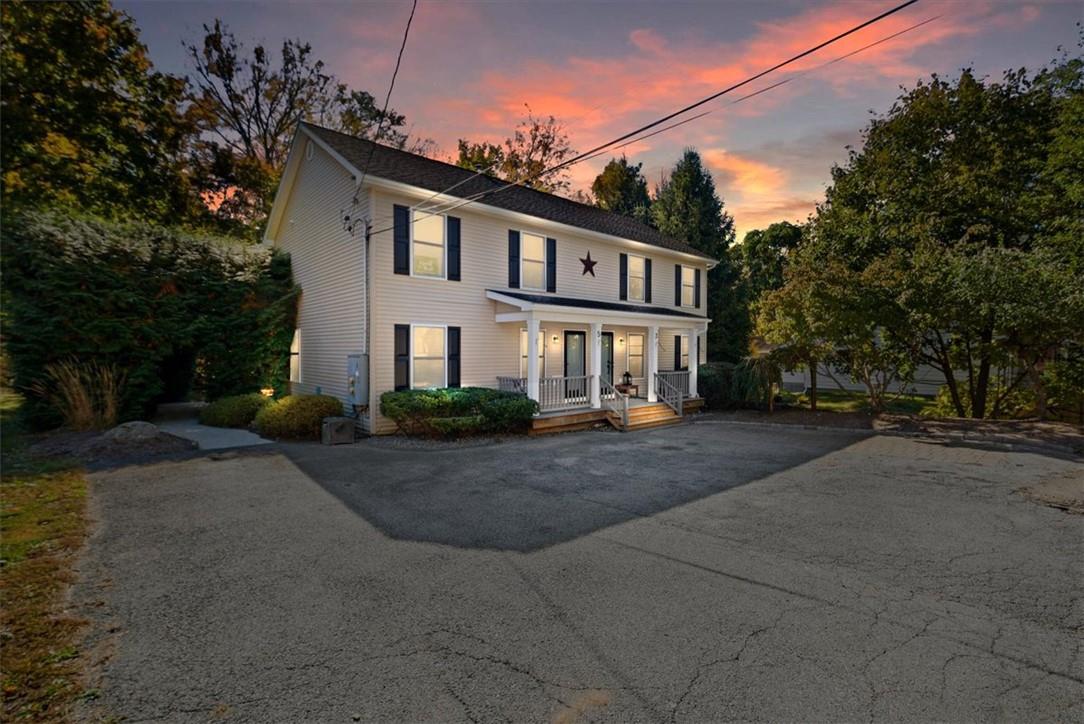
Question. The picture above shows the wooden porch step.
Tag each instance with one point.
(647, 425)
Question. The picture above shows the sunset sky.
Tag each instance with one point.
(604, 68)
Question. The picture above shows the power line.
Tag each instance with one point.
(746, 97)
(670, 116)
(387, 98)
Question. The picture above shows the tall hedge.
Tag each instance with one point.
(172, 310)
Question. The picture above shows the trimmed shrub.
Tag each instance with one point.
(457, 411)
(297, 417)
(235, 411)
(726, 386)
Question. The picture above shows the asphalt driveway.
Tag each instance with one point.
(704, 572)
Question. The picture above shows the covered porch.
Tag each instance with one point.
(578, 355)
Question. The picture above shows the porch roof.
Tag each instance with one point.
(544, 304)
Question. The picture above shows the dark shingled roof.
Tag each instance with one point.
(594, 304)
(410, 168)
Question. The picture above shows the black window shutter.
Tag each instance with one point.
(677, 285)
(513, 259)
(453, 356)
(401, 239)
(453, 248)
(677, 351)
(696, 289)
(647, 281)
(551, 265)
(402, 356)
(623, 284)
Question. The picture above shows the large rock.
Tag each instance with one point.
(135, 431)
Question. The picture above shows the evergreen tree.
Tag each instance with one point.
(687, 208)
(622, 189)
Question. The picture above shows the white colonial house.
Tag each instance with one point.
(403, 284)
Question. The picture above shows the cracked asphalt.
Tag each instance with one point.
(705, 572)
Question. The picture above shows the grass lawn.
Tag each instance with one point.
(840, 401)
(42, 527)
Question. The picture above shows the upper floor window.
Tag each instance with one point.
(636, 278)
(427, 245)
(688, 286)
(533, 261)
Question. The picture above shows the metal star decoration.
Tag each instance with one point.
(588, 265)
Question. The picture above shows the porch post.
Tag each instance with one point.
(652, 361)
(596, 364)
(532, 357)
(694, 359)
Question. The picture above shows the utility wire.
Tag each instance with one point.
(765, 89)
(670, 116)
(387, 98)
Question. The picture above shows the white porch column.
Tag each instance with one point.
(694, 359)
(596, 364)
(532, 357)
(652, 344)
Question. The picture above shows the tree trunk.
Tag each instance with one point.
(950, 380)
(813, 384)
(1040, 388)
(982, 384)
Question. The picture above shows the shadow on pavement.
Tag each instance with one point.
(536, 492)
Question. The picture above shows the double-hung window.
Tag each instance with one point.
(427, 364)
(523, 353)
(427, 247)
(684, 360)
(688, 286)
(533, 261)
(636, 278)
(636, 355)
(295, 357)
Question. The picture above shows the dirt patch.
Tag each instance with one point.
(95, 448)
(1066, 492)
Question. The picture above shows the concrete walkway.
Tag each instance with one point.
(181, 419)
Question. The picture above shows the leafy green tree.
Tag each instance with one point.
(247, 105)
(957, 181)
(86, 120)
(622, 189)
(762, 256)
(536, 145)
(686, 207)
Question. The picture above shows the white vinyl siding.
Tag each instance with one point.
(532, 262)
(428, 360)
(329, 266)
(427, 245)
(636, 278)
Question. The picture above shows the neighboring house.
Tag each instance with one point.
(520, 290)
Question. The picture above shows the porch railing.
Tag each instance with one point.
(615, 401)
(512, 384)
(670, 394)
(563, 393)
(680, 380)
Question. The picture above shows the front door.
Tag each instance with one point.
(608, 357)
(575, 364)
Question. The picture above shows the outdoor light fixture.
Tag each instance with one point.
(620, 340)
(555, 338)
(267, 391)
